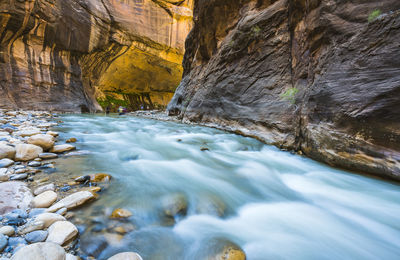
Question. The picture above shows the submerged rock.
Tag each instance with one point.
(174, 205)
(71, 140)
(121, 213)
(42, 251)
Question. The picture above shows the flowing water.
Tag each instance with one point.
(272, 204)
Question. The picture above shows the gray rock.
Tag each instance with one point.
(36, 236)
(36, 211)
(34, 164)
(5, 162)
(48, 155)
(72, 201)
(3, 242)
(45, 199)
(16, 241)
(49, 218)
(31, 226)
(18, 177)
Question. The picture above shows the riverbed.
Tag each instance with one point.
(234, 190)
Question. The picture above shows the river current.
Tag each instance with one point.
(270, 203)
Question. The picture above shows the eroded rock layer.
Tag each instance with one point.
(321, 77)
(55, 53)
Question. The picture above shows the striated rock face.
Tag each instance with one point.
(55, 54)
(322, 77)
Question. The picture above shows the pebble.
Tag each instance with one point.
(18, 177)
(7, 231)
(6, 162)
(34, 164)
(48, 155)
(36, 211)
(47, 187)
(62, 148)
(44, 200)
(15, 241)
(61, 232)
(36, 236)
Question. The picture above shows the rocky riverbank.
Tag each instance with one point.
(36, 217)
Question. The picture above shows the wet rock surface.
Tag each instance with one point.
(65, 50)
(318, 77)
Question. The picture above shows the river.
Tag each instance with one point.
(270, 203)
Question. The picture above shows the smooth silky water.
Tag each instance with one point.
(273, 204)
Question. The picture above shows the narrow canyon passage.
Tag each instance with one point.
(225, 190)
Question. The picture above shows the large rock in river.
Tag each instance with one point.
(42, 251)
(44, 141)
(26, 152)
(320, 77)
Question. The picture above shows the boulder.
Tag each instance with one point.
(14, 195)
(72, 201)
(42, 251)
(43, 140)
(45, 199)
(62, 232)
(7, 151)
(49, 218)
(44, 188)
(126, 256)
(62, 148)
(27, 152)
(121, 213)
(5, 162)
(36, 236)
(7, 231)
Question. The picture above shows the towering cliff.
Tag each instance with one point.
(320, 77)
(57, 54)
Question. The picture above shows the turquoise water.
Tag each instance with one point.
(272, 204)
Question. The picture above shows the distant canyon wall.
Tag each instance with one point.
(59, 55)
(318, 77)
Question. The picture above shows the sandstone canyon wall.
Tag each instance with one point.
(58, 55)
(315, 76)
